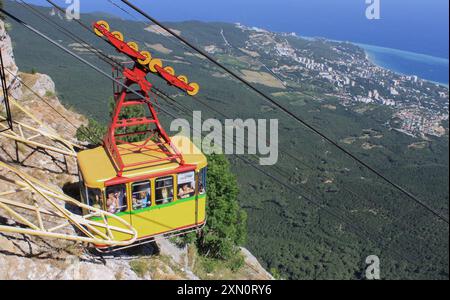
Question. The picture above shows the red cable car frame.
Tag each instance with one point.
(114, 142)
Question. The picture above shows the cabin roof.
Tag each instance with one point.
(97, 168)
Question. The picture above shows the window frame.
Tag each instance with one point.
(125, 203)
(150, 200)
(100, 194)
(156, 188)
(192, 194)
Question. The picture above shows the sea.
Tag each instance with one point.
(432, 68)
(418, 26)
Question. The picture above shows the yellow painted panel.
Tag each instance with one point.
(96, 167)
(169, 217)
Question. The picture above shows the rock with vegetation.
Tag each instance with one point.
(11, 69)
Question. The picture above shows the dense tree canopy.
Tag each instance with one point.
(226, 224)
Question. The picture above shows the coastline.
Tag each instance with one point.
(426, 67)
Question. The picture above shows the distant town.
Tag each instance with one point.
(420, 108)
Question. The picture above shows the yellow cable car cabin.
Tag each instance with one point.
(157, 198)
(157, 185)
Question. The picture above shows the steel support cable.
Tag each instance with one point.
(208, 106)
(195, 97)
(66, 32)
(95, 50)
(59, 8)
(85, 44)
(79, 22)
(283, 173)
(292, 157)
(119, 83)
(90, 48)
(223, 115)
(289, 113)
(157, 29)
(364, 235)
(50, 40)
(5, 100)
(76, 56)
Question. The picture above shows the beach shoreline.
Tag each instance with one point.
(406, 60)
(429, 68)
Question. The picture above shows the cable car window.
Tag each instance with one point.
(116, 198)
(141, 195)
(164, 190)
(186, 185)
(94, 198)
(202, 181)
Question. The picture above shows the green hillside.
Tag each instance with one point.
(294, 234)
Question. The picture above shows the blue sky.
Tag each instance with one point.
(413, 25)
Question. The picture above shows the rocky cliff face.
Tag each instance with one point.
(25, 257)
(9, 62)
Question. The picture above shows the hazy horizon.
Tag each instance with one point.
(410, 25)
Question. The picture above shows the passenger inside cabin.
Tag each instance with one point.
(116, 199)
(164, 190)
(94, 198)
(201, 189)
(141, 195)
(186, 185)
(144, 198)
(119, 198)
(135, 201)
(112, 203)
(141, 200)
(185, 191)
(96, 201)
(165, 195)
